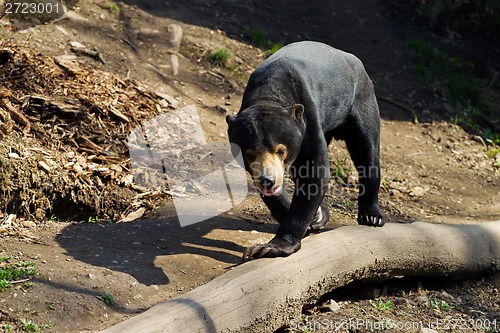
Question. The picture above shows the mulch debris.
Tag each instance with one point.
(63, 138)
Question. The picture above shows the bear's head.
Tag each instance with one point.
(269, 140)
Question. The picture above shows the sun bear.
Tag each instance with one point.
(294, 104)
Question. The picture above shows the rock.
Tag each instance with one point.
(134, 215)
(171, 100)
(447, 296)
(334, 306)
(77, 45)
(418, 191)
(331, 306)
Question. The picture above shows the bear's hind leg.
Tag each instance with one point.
(363, 143)
(321, 217)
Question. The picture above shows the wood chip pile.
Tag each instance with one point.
(63, 138)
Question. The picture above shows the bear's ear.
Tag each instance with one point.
(230, 122)
(297, 112)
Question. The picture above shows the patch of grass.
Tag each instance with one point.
(220, 57)
(54, 218)
(493, 152)
(274, 47)
(113, 8)
(49, 305)
(14, 272)
(441, 305)
(29, 326)
(451, 76)
(256, 35)
(106, 298)
(259, 38)
(456, 81)
(381, 305)
(4, 284)
(7, 328)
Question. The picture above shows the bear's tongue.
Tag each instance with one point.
(271, 192)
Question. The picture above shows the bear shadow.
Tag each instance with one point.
(132, 247)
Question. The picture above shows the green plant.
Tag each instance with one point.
(54, 218)
(113, 8)
(92, 219)
(10, 272)
(259, 38)
(106, 298)
(381, 305)
(342, 169)
(7, 328)
(256, 35)
(441, 305)
(452, 77)
(274, 47)
(4, 284)
(220, 57)
(493, 151)
(49, 305)
(29, 285)
(29, 326)
(385, 184)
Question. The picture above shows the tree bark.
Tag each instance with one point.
(266, 294)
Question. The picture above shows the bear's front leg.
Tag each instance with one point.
(308, 195)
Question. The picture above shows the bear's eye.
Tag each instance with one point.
(281, 151)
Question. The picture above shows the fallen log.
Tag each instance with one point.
(264, 295)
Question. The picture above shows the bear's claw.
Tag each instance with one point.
(277, 247)
(375, 221)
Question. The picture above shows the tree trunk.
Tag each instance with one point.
(265, 294)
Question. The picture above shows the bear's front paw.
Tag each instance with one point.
(370, 215)
(277, 247)
(375, 220)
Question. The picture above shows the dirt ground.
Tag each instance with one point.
(433, 170)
